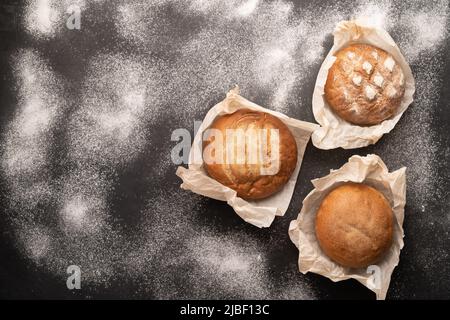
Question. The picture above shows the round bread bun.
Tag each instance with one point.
(354, 225)
(274, 163)
(365, 85)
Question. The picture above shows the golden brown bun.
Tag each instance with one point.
(354, 225)
(246, 179)
(365, 85)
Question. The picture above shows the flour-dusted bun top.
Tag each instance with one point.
(354, 225)
(365, 85)
(251, 152)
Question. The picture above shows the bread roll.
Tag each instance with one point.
(365, 85)
(354, 225)
(269, 156)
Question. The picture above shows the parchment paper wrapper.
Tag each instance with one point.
(372, 171)
(334, 131)
(260, 213)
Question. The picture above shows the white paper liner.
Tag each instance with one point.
(334, 131)
(372, 171)
(262, 212)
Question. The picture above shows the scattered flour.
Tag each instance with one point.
(27, 144)
(237, 267)
(247, 8)
(117, 105)
(83, 202)
(40, 17)
(173, 235)
(45, 18)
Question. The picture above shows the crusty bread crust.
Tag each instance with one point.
(354, 225)
(246, 179)
(365, 85)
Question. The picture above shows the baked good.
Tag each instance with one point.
(354, 225)
(269, 156)
(365, 85)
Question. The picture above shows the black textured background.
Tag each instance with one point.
(20, 279)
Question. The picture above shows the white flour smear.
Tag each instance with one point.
(174, 237)
(186, 55)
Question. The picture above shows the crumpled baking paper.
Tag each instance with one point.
(262, 212)
(372, 171)
(334, 131)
